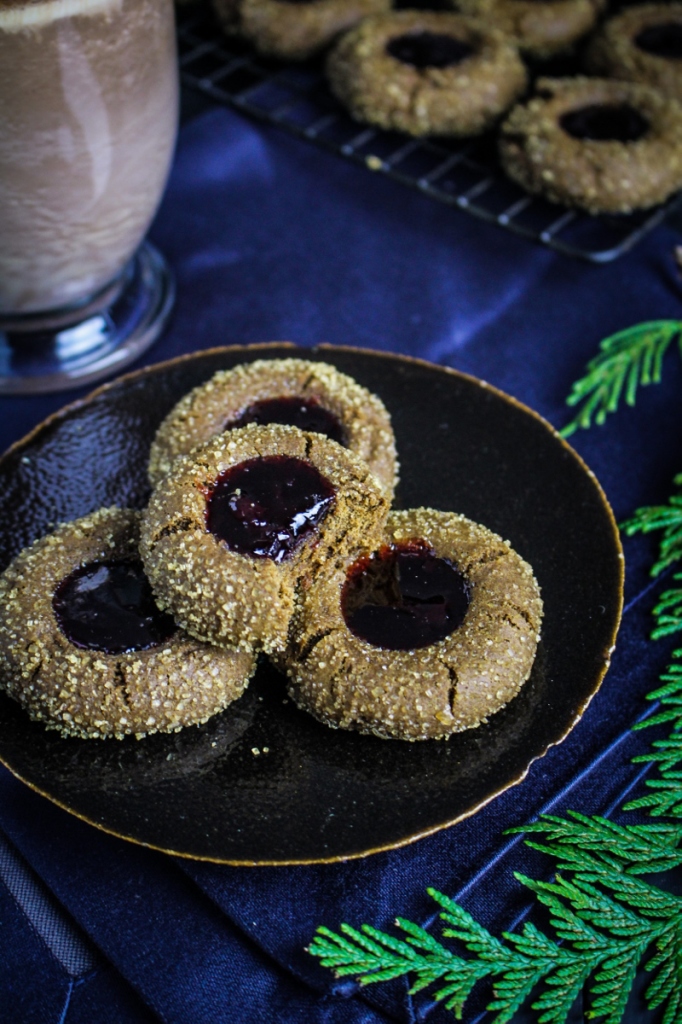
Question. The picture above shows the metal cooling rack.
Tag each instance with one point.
(465, 174)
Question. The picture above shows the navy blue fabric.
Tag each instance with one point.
(272, 239)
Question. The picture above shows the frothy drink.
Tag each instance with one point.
(88, 117)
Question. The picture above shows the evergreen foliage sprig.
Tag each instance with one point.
(625, 361)
(607, 919)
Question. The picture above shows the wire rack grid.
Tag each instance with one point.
(464, 174)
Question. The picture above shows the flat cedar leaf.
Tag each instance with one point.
(673, 1011)
(630, 358)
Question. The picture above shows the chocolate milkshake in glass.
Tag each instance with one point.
(88, 119)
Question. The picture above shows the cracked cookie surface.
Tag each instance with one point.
(599, 144)
(224, 400)
(218, 588)
(437, 689)
(86, 691)
(426, 73)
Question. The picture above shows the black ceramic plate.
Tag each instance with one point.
(320, 794)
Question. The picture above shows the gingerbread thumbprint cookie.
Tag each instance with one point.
(243, 523)
(293, 29)
(429, 633)
(641, 44)
(85, 649)
(293, 392)
(540, 28)
(426, 73)
(595, 143)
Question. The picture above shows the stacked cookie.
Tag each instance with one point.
(607, 143)
(269, 532)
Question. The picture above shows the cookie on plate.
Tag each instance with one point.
(426, 73)
(243, 524)
(426, 634)
(84, 648)
(599, 144)
(295, 392)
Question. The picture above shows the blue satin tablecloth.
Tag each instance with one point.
(272, 239)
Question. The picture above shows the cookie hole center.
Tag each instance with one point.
(109, 607)
(662, 40)
(423, 5)
(267, 507)
(404, 597)
(304, 413)
(429, 49)
(605, 122)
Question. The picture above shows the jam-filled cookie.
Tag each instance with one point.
(85, 649)
(246, 521)
(294, 392)
(426, 73)
(425, 635)
(540, 28)
(293, 29)
(599, 144)
(641, 44)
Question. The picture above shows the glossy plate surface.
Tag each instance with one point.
(321, 794)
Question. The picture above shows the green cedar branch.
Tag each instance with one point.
(626, 360)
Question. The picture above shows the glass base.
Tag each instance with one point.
(64, 349)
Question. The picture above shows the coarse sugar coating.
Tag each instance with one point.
(540, 28)
(211, 407)
(90, 693)
(426, 73)
(641, 44)
(599, 144)
(435, 690)
(216, 591)
(292, 29)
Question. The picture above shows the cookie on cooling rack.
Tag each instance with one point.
(293, 29)
(426, 634)
(243, 524)
(598, 144)
(641, 44)
(84, 648)
(540, 28)
(295, 392)
(426, 73)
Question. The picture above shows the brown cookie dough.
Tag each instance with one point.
(428, 691)
(293, 29)
(91, 692)
(641, 44)
(238, 584)
(231, 396)
(540, 28)
(598, 144)
(426, 73)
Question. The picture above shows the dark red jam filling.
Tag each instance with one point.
(267, 507)
(423, 5)
(662, 40)
(605, 122)
(304, 413)
(109, 606)
(404, 597)
(429, 49)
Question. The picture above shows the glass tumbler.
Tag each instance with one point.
(88, 122)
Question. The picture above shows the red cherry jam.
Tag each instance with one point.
(304, 413)
(267, 507)
(429, 49)
(404, 597)
(109, 607)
